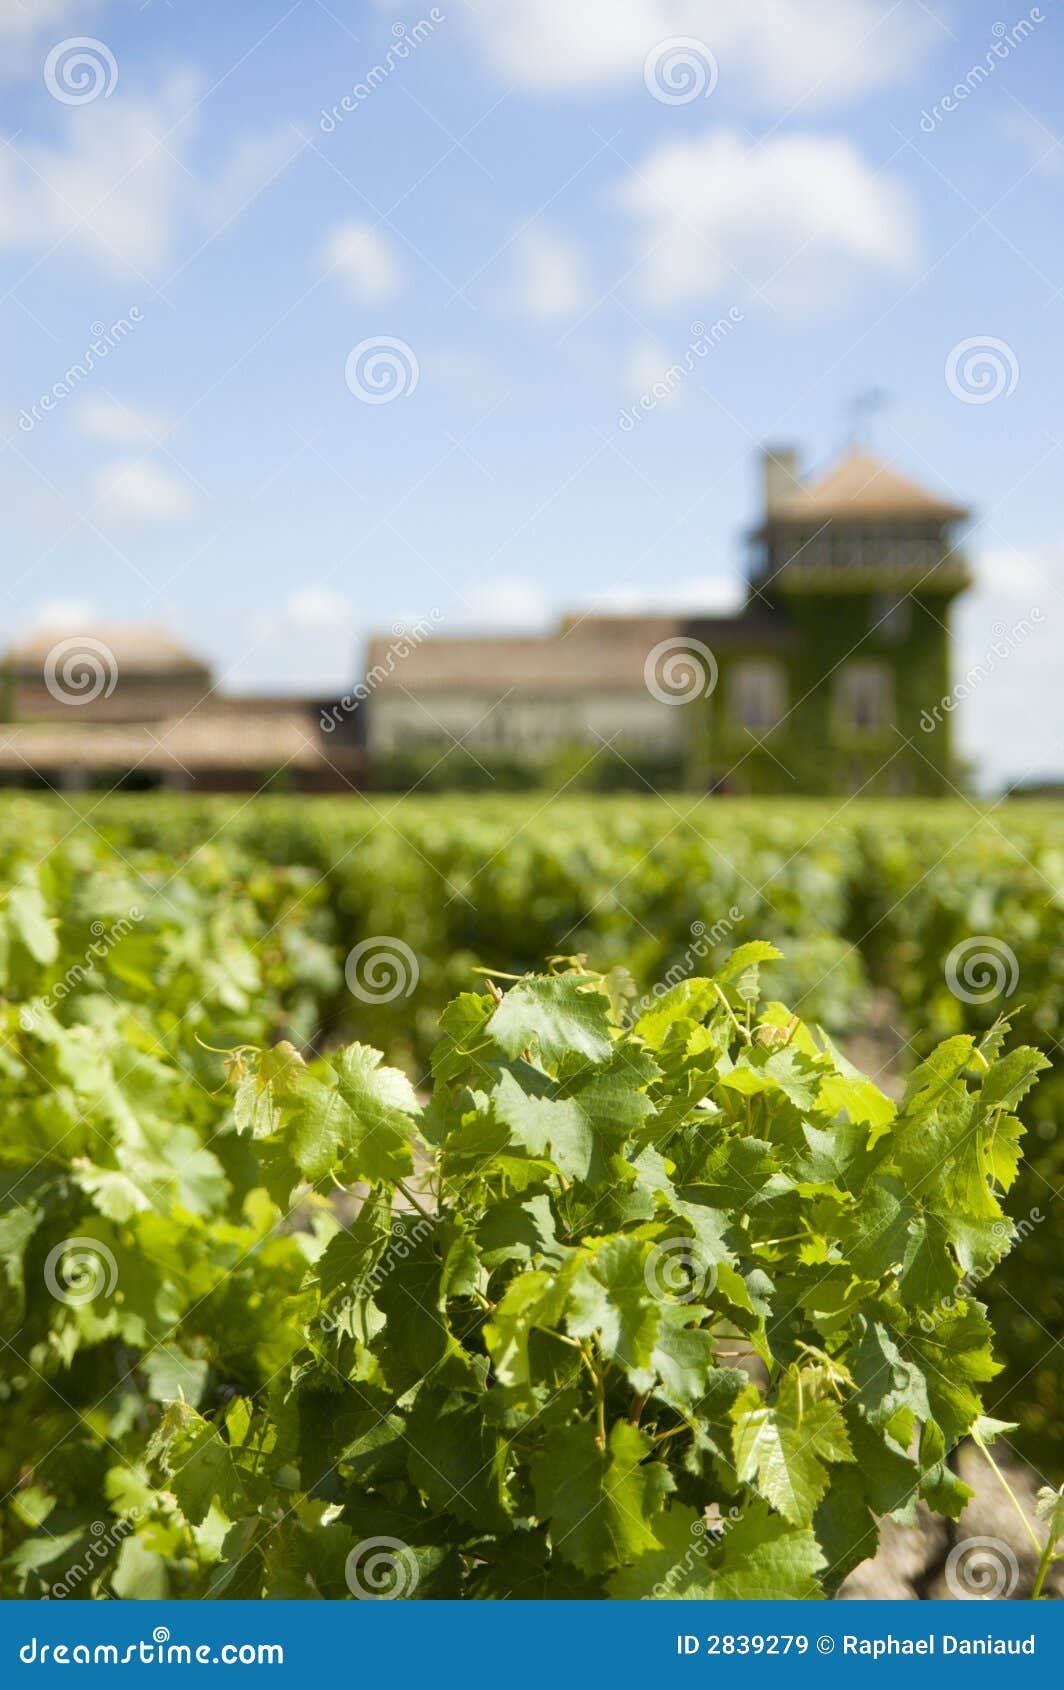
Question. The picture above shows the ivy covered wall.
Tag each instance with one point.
(813, 749)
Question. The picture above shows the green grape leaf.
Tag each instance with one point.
(555, 1016)
(599, 1502)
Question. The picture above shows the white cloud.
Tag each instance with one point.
(63, 613)
(513, 606)
(550, 280)
(1043, 146)
(305, 643)
(25, 22)
(774, 52)
(645, 369)
(696, 595)
(521, 606)
(363, 260)
(800, 218)
(134, 491)
(319, 607)
(117, 423)
(254, 163)
(118, 186)
(1007, 572)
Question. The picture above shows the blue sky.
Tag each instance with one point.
(537, 199)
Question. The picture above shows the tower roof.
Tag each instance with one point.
(859, 487)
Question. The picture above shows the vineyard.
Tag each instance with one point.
(488, 1179)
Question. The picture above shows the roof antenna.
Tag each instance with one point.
(862, 408)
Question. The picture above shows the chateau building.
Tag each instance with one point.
(843, 641)
(817, 685)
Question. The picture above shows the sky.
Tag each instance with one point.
(359, 300)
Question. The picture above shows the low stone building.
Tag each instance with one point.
(455, 702)
(128, 706)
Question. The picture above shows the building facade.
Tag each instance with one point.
(843, 642)
(472, 711)
(128, 707)
(819, 684)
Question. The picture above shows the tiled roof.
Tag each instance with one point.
(592, 654)
(137, 648)
(860, 486)
(203, 740)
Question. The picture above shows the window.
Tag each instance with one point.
(758, 695)
(865, 697)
